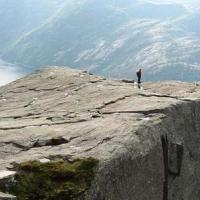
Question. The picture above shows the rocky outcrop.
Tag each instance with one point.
(146, 141)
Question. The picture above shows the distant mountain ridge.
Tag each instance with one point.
(110, 38)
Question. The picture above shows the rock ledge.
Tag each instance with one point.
(143, 138)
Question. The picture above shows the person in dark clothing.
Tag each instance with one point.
(139, 75)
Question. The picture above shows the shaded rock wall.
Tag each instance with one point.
(169, 171)
(182, 128)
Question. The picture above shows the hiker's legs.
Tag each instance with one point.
(139, 79)
(139, 82)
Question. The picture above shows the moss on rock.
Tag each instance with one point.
(56, 180)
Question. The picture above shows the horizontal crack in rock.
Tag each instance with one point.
(144, 112)
(127, 81)
(51, 142)
(164, 96)
(44, 124)
(15, 144)
(113, 101)
(55, 141)
(22, 116)
(42, 89)
(101, 142)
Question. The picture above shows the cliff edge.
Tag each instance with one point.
(144, 143)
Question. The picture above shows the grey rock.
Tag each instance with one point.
(145, 140)
(6, 174)
(4, 196)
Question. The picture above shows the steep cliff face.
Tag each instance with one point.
(145, 143)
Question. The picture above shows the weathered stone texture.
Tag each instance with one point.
(147, 141)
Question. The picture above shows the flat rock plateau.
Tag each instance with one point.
(146, 141)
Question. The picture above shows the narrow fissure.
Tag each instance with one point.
(164, 141)
(172, 158)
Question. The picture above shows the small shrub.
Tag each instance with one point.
(54, 180)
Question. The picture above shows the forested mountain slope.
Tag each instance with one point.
(108, 37)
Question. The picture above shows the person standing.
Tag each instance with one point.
(139, 75)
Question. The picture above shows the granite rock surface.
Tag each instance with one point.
(147, 141)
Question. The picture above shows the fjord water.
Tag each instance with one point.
(9, 72)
